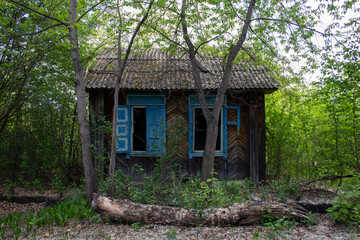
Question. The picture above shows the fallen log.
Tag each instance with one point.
(236, 214)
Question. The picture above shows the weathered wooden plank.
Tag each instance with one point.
(253, 138)
(97, 111)
(261, 137)
(238, 160)
(176, 113)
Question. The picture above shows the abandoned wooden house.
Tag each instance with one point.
(158, 89)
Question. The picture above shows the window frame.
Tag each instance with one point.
(221, 133)
(147, 101)
(132, 151)
(193, 102)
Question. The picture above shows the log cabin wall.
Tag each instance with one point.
(237, 164)
(257, 136)
(238, 142)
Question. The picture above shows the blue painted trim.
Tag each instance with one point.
(237, 123)
(146, 154)
(200, 154)
(155, 105)
(145, 99)
(123, 129)
(210, 99)
(225, 150)
(193, 102)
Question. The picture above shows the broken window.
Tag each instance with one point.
(139, 129)
(200, 131)
(141, 126)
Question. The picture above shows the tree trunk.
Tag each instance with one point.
(237, 214)
(209, 151)
(89, 172)
(121, 64)
(207, 167)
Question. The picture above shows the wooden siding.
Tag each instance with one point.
(237, 164)
(238, 145)
(176, 114)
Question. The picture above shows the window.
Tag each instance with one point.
(197, 126)
(200, 131)
(139, 129)
(141, 125)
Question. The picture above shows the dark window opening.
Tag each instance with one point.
(200, 131)
(139, 129)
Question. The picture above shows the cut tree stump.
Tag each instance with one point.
(236, 214)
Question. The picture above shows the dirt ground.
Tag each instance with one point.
(325, 229)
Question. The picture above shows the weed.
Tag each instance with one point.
(286, 188)
(60, 214)
(238, 191)
(256, 234)
(200, 195)
(9, 188)
(57, 182)
(277, 226)
(312, 220)
(136, 225)
(346, 209)
(171, 234)
(37, 185)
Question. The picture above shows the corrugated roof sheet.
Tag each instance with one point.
(157, 70)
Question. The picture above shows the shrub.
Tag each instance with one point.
(346, 209)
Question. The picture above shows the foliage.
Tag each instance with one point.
(164, 182)
(9, 188)
(238, 191)
(276, 225)
(42, 140)
(346, 209)
(70, 210)
(200, 195)
(171, 234)
(312, 220)
(286, 188)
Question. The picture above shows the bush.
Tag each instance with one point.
(286, 188)
(346, 209)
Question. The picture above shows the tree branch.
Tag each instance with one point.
(194, 63)
(40, 31)
(267, 45)
(169, 39)
(42, 14)
(291, 23)
(89, 10)
(325, 179)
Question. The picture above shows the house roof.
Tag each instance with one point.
(157, 70)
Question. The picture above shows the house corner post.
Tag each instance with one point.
(97, 118)
(261, 137)
(253, 138)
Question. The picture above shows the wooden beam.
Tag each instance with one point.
(253, 138)
(261, 137)
(97, 110)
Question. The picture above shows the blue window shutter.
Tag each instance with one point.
(123, 129)
(156, 128)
